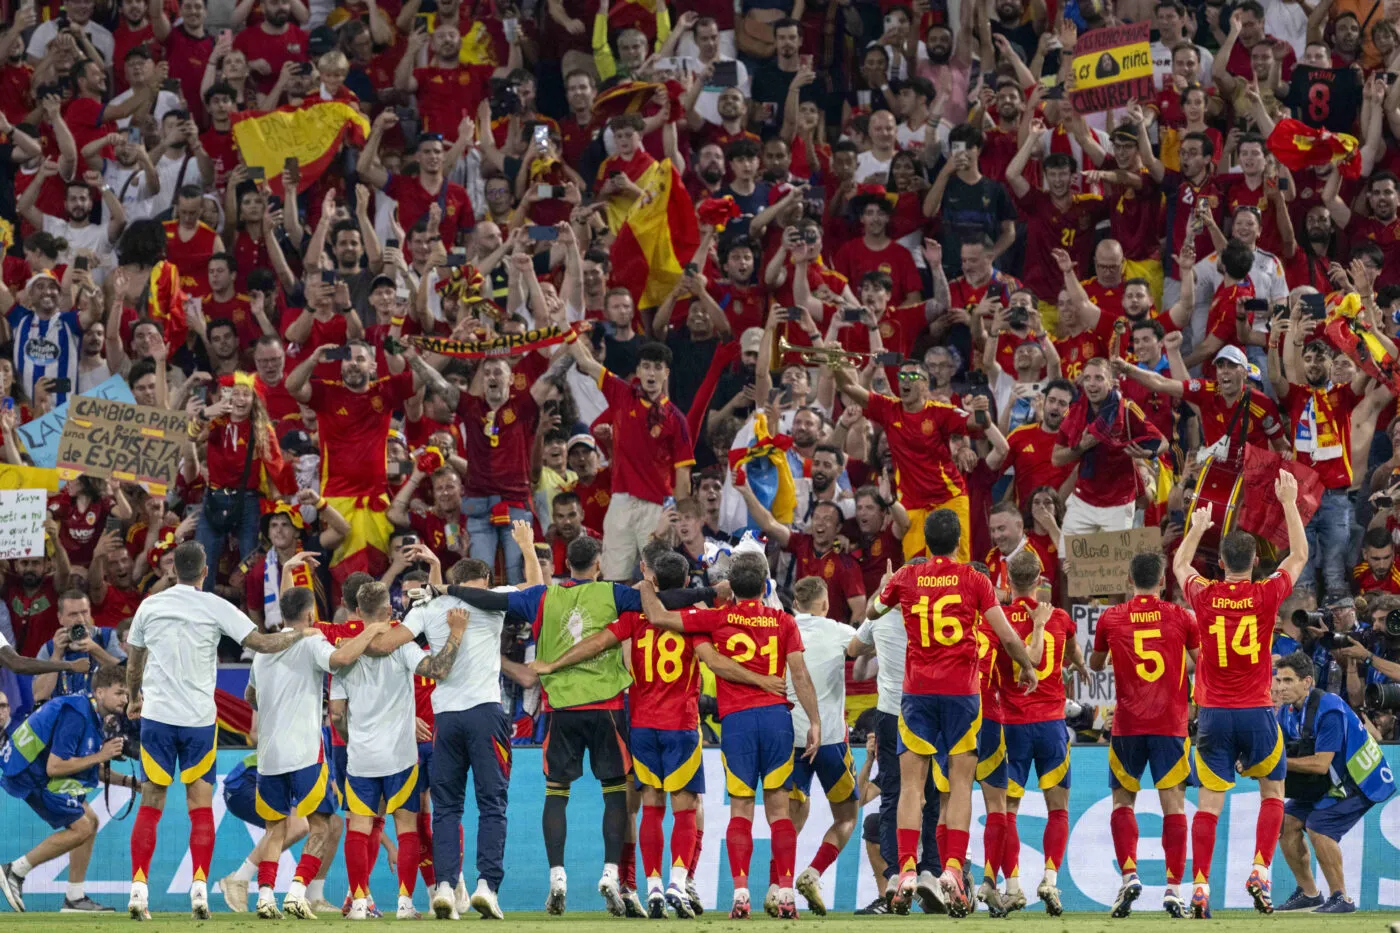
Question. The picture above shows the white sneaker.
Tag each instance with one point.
(298, 907)
(267, 910)
(406, 910)
(558, 897)
(235, 894)
(444, 901)
(1050, 895)
(770, 901)
(930, 894)
(136, 906)
(484, 902)
(359, 909)
(199, 901)
(809, 885)
(742, 906)
(612, 894)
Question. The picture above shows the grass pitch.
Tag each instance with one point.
(1233, 921)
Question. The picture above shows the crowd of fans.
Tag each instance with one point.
(912, 184)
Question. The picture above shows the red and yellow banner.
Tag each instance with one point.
(313, 135)
(1112, 67)
(656, 238)
(1300, 146)
(504, 345)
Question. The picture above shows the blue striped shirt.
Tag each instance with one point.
(45, 348)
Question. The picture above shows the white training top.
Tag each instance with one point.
(891, 642)
(382, 739)
(290, 711)
(180, 630)
(824, 651)
(475, 677)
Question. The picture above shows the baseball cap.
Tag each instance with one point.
(585, 439)
(1232, 354)
(297, 443)
(382, 281)
(750, 339)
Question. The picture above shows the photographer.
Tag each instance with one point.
(52, 762)
(1372, 656)
(1336, 772)
(1334, 640)
(76, 637)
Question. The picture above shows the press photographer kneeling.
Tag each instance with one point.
(52, 762)
(1336, 772)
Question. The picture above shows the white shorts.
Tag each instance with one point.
(1081, 518)
(627, 527)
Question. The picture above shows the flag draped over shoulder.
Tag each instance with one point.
(764, 466)
(1300, 146)
(165, 302)
(656, 237)
(313, 135)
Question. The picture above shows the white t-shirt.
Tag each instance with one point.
(382, 739)
(289, 686)
(869, 164)
(97, 34)
(166, 101)
(891, 642)
(707, 101)
(1162, 65)
(180, 629)
(91, 237)
(824, 644)
(475, 677)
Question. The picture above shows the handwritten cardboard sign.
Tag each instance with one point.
(22, 514)
(128, 443)
(1097, 564)
(41, 435)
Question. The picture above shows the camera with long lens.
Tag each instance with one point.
(1305, 619)
(117, 726)
(1383, 696)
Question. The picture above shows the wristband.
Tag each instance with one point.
(321, 504)
(396, 321)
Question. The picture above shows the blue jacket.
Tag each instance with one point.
(65, 726)
(1358, 765)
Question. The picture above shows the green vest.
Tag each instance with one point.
(571, 614)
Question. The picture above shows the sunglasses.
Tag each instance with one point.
(910, 376)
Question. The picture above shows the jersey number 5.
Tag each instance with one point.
(947, 630)
(1159, 664)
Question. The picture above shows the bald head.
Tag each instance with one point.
(1108, 263)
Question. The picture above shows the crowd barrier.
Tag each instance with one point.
(1088, 879)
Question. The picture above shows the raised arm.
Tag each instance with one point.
(1286, 488)
(590, 647)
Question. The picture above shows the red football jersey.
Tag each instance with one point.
(423, 699)
(1047, 700)
(1147, 639)
(1236, 621)
(751, 634)
(925, 474)
(335, 633)
(942, 602)
(665, 691)
(988, 650)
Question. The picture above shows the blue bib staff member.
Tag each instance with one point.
(52, 762)
(1336, 772)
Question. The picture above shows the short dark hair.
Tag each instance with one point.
(1064, 385)
(350, 589)
(1237, 259)
(228, 260)
(296, 602)
(671, 570)
(748, 575)
(829, 449)
(468, 569)
(627, 121)
(741, 149)
(942, 532)
(1298, 662)
(1058, 160)
(1376, 538)
(220, 89)
(583, 552)
(967, 134)
(72, 593)
(109, 676)
(1237, 551)
(1145, 569)
(1156, 327)
(654, 352)
(189, 562)
(878, 277)
(1207, 146)
(787, 22)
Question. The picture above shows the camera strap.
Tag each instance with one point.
(1306, 728)
(107, 792)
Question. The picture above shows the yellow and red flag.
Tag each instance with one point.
(656, 237)
(1300, 146)
(165, 302)
(312, 134)
(632, 97)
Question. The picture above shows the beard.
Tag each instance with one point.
(356, 379)
(940, 55)
(1320, 237)
(821, 482)
(31, 580)
(711, 175)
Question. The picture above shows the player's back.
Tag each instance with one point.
(1147, 639)
(475, 675)
(665, 691)
(753, 635)
(942, 602)
(289, 688)
(180, 629)
(380, 695)
(824, 644)
(989, 672)
(1235, 621)
(1047, 700)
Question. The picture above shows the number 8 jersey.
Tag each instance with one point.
(942, 602)
(1236, 623)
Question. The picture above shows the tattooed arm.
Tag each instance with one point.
(135, 672)
(437, 666)
(429, 376)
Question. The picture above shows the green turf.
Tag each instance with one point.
(1235, 921)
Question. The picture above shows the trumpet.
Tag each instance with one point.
(830, 356)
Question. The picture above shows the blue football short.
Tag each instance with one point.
(363, 795)
(1250, 737)
(669, 759)
(756, 748)
(302, 792)
(832, 766)
(1043, 744)
(168, 752)
(1129, 756)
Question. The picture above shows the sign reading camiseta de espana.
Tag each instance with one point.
(121, 441)
(1112, 68)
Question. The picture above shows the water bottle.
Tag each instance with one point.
(1334, 677)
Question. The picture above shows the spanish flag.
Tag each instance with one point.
(1300, 146)
(633, 96)
(656, 238)
(165, 302)
(312, 134)
(233, 714)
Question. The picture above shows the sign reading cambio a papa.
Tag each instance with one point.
(121, 441)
